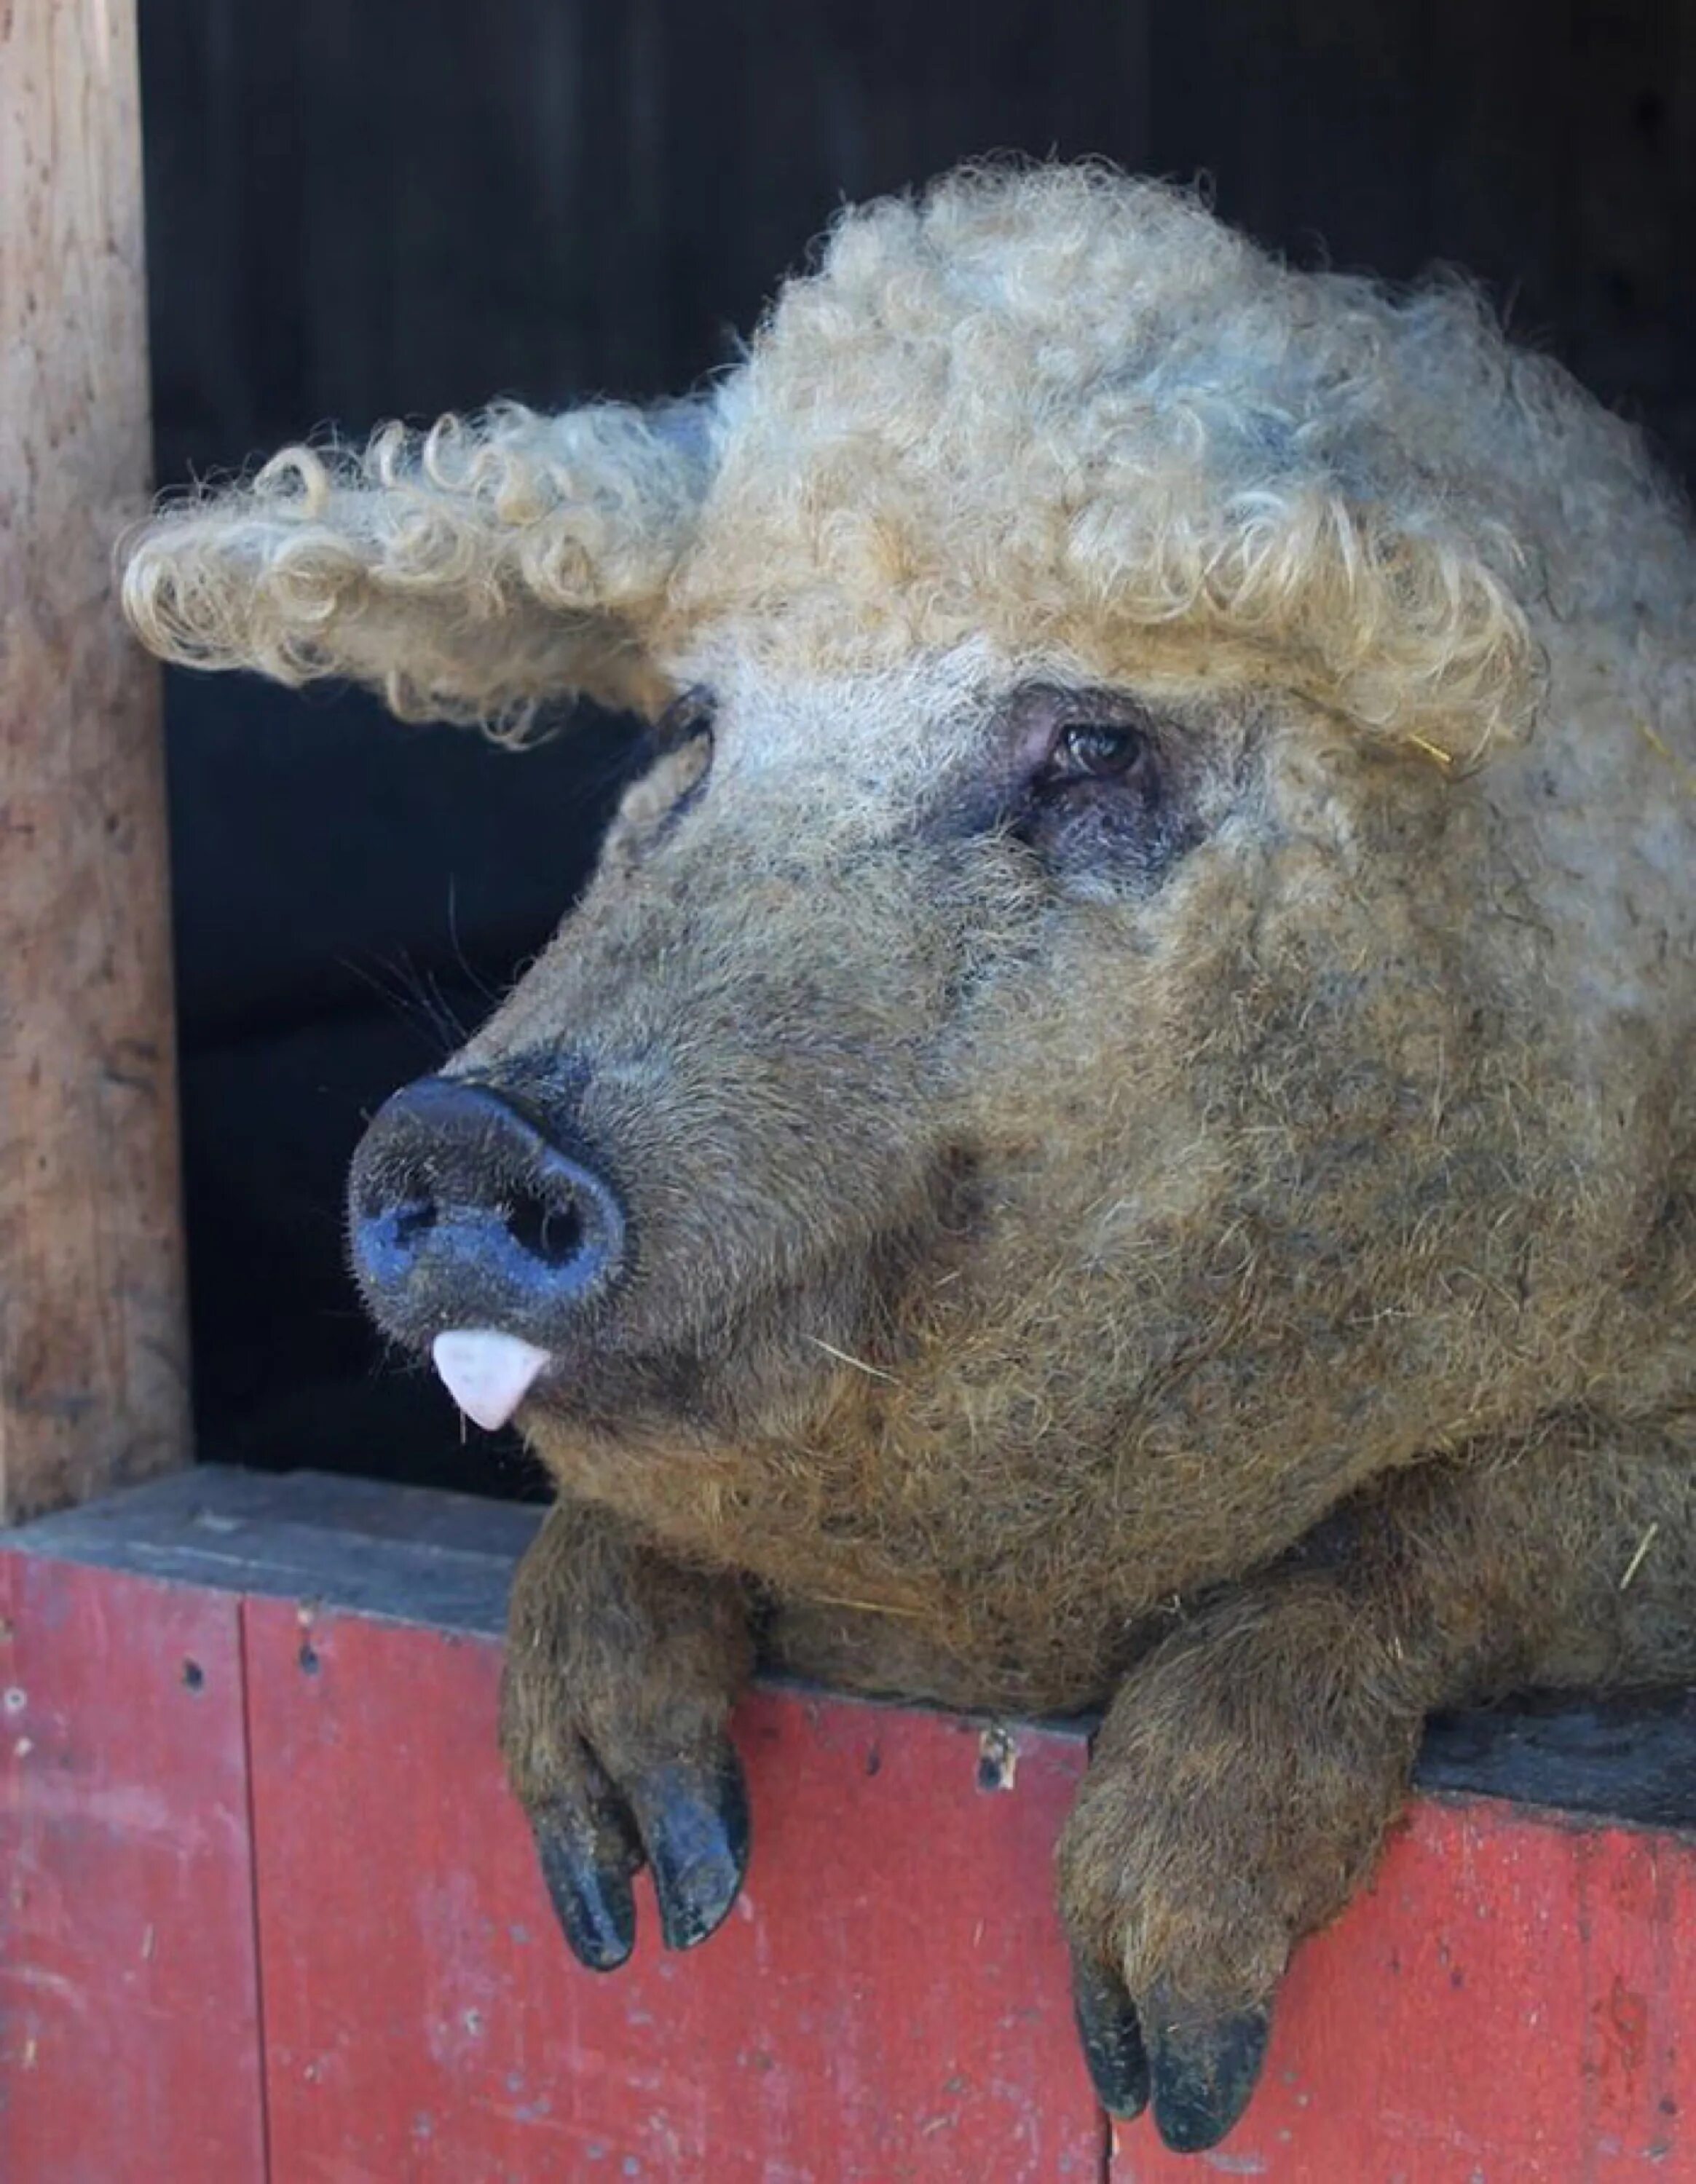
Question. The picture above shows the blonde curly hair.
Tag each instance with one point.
(1056, 405)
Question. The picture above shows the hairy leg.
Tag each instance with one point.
(1249, 1767)
(622, 1669)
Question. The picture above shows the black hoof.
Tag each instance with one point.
(1203, 2072)
(1113, 2040)
(695, 1828)
(587, 1862)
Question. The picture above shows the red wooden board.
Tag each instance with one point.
(129, 2034)
(1513, 2003)
(888, 2003)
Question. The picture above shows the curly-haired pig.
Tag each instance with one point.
(1117, 1127)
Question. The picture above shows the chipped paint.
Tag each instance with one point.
(997, 1758)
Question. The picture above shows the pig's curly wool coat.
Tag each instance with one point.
(1267, 1250)
(1057, 403)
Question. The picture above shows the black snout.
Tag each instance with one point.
(466, 1211)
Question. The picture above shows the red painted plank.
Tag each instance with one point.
(888, 2003)
(129, 2035)
(1514, 2003)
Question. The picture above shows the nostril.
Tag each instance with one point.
(403, 1209)
(412, 1221)
(545, 1229)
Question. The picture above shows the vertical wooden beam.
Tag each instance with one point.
(93, 1347)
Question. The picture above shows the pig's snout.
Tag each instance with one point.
(470, 1211)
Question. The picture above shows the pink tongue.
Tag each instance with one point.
(487, 1374)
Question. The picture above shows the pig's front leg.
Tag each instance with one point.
(1249, 1767)
(620, 1672)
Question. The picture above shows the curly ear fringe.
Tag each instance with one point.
(1412, 633)
(1075, 410)
(467, 573)
(1056, 407)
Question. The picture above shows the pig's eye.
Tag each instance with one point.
(1094, 750)
(1103, 802)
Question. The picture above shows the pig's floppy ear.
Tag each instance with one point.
(467, 573)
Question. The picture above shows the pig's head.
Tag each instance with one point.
(1062, 1019)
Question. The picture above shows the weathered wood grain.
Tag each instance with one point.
(92, 1343)
(887, 2004)
(130, 2049)
(1509, 2003)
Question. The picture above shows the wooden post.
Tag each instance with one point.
(93, 1348)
